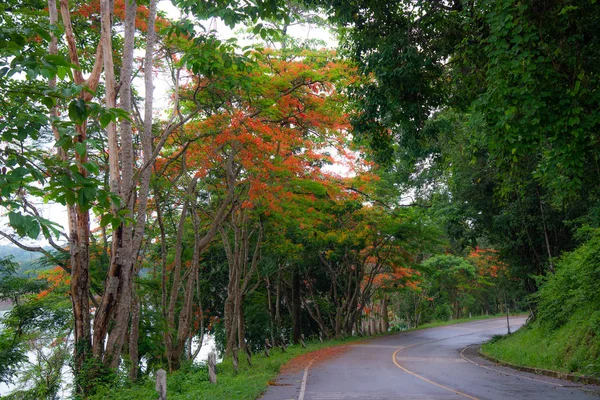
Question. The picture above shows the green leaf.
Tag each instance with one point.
(65, 142)
(70, 197)
(16, 220)
(78, 111)
(91, 167)
(80, 148)
(106, 219)
(33, 229)
(48, 102)
(61, 72)
(116, 222)
(106, 119)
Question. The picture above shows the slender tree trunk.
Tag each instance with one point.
(134, 334)
(278, 303)
(176, 335)
(240, 275)
(79, 221)
(385, 323)
(270, 307)
(297, 325)
(116, 303)
(548, 247)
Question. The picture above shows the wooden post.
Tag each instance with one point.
(248, 355)
(283, 345)
(235, 359)
(302, 340)
(507, 313)
(212, 367)
(267, 347)
(321, 336)
(161, 384)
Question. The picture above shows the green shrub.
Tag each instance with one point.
(566, 334)
(574, 286)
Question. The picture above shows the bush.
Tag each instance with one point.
(442, 312)
(574, 286)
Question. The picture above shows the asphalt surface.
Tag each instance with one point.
(430, 364)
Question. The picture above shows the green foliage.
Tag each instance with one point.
(573, 287)
(565, 335)
(574, 347)
(486, 111)
(232, 12)
(30, 323)
(13, 353)
(442, 312)
(12, 285)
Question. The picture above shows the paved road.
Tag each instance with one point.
(431, 364)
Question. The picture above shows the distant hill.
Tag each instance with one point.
(26, 259)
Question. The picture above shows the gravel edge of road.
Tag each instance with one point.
(539, 371)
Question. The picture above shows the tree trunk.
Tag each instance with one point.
(115, 307)
(385, 323)
(547, 239)
(134, 334)
(296, 323)
(270, 307)
(79, 221)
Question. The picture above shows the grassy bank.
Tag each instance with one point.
(566, 335)
(574, 347)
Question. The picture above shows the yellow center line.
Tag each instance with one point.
(428, 380)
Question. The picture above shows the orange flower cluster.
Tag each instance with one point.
(487, 262)
(91, 11)
(56, 277)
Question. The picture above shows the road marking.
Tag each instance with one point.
(506, 373)
(375, 346)
(428, 380)
(432, 359)
(354, 395)
(425, 379)
(305, 376)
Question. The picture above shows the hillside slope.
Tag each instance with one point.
(566, 334)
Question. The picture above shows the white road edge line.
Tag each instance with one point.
(305, 377)
(303, 387)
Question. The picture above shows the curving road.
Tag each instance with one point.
(437, 364)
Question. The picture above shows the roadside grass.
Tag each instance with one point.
(191, 382)
(574, 347)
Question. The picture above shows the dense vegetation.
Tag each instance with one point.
(441, 163)
(565, 335)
